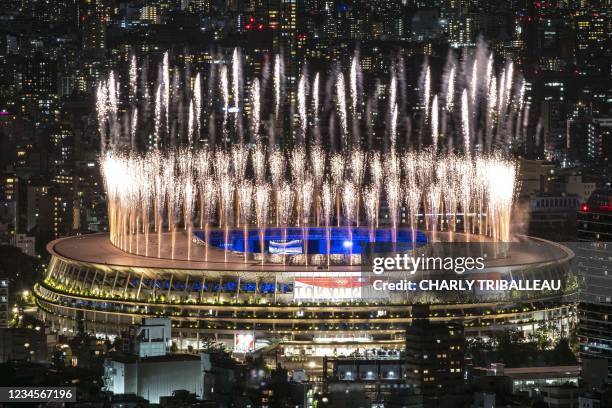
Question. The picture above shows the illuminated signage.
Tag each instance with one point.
(244, 342)
(344, 286)
(293, 247)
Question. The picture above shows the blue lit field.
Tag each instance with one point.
(293, 241)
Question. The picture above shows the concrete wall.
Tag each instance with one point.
(160, 379)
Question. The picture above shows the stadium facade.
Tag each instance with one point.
(308, 310)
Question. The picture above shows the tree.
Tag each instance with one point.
(562, 353)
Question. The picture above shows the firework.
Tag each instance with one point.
(224, 89)
(376, 172)
(188, 200)
(370, 202)
(236, 76)
(434, 124)
(255, 115)
(501, 94)
(197, 102)
(450, 89)
(133, 78)
(337, 172)
(465, 122)
(298, 165)
(337, 168)
(305, 198)
(474, 82)
(259, 162)
(434, 208)
(413, 203)
(393, 128)
(262, 198)
(353, 79)
(240, 156)
(392, 93)
(341, 102)
(159, 198)
(509, 81)
(317, 163)
(285, 207)
(101, 110)
(113, 106)
(285, 203)
(165, 90)
(245, 203)
(327, 201)
(427, 91)
(327, 204)
(302, 109)
(174, 124)
(500, 186)
(464, 183)
(315, 99)
(489, 72)
(492, 109)
(277, 84)
(158, 115)
(166, 189)
(180, 176)
(357, 165)
(190, 123)
(392, 191)
(226, 195)
(277, 167)
(349, 193)
(521, 97)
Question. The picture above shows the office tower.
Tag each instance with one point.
(434, 355)
(594, 231)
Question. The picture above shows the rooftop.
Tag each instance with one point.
(96, 250)
(129, 358)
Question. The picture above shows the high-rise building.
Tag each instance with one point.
(4, 302)
(599, 140)
(591, 42)
(434, 355)
(594, 231)
(40, 88)
(61, 139)
(148, 371)
(26, 243)
(552, 111)
(94, 17)
(150, 14)
(199, 6)
(66, 209)
(377, 376)
(40, 209)
(9, 200)
(23, 344)
(578, 123)
(460, 31)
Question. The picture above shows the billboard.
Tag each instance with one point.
(293, 247)
(244, 342)
(333, 287)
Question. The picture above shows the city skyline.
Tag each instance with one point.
(192, 193)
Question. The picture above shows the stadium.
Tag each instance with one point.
(93, 284)
(253, 230)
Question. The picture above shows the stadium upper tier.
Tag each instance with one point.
(96, 251)
(91, 282)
